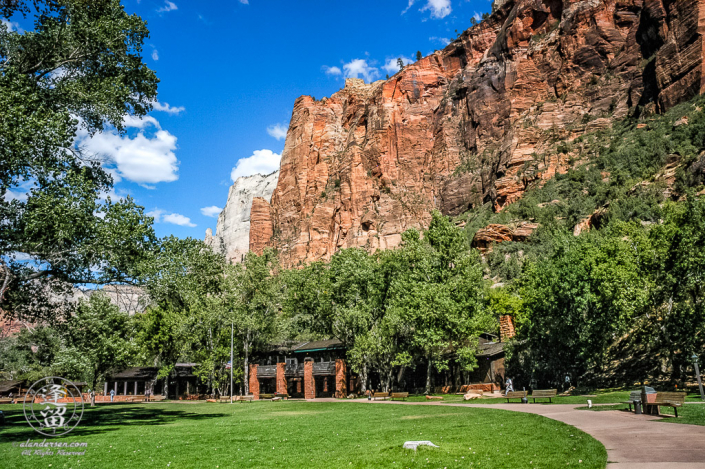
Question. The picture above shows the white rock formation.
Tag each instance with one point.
(232, 233)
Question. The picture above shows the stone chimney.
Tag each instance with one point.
(506, 327)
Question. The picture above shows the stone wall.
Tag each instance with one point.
(340, 379)
(506, 327)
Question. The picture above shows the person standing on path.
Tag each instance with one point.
(112, 395)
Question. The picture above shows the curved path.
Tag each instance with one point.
(632, 441)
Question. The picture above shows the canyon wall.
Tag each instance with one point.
(232, 235)
(476, 123)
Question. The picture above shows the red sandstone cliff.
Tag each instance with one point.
(364, 165)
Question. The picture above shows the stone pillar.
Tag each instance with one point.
(115, 388)
(135, 393)
(325, 384)
(298, 386)
(105, 388)
(340, 378)
(281, 378)
(254, 382)
(506, 327)
(124, 392)
(309, 383)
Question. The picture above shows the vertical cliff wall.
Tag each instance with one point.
(466, 125)
(232, 235)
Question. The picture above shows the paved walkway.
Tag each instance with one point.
(632, 441)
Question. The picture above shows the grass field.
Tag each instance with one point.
(306, 435)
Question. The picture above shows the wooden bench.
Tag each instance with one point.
(516, 395)
(266, 396)
(283, 395)
(399, 395)
(6, 400)
(668, 399)
(544, 394)
(135, 399)
(244, 398)
(633, 396)
(157, 398)
(380, 395)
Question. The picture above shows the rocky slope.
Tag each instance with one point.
(478, 122)
(232, 235)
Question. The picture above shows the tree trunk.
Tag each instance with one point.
(363, 379)
(429, 371)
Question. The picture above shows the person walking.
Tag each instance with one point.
(509, 386)
(112, 395)
(92, 395)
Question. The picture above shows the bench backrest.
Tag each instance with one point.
(675, 397)
(516, 394)
(544, 393)
(381, 394)
(400, 394)
(635, 396)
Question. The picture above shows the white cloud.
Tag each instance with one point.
(212, 211)
(359, 68)
(164, 107)
(277, 131)
(477, 17)
(332, 70)
(411, 2)
(11, 25)
(178, 219)
(442, 40)
(141, 158)
(438, 8)
(155, 54)
(261, 162)
(168, 6)
(392, 65)
(245, 2)
(15, 195)
(160, 216)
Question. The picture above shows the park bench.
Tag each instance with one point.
(399, 395)
(633, 397)
(282, 395)
(5, 400)
(668, 399)
(266, 396)
(516, 395)
(380, 395)
(135, 399)
(157, 398)
(244, 398)
(544, 394)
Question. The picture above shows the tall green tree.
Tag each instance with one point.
(98, 338)
(438, 292)
(81, 66)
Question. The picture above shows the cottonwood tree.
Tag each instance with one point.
(438, 293)
(251, 299)
(98, 338)
(81, 67)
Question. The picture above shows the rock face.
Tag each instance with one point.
(232, 235)
(491, 234)
(475, 123)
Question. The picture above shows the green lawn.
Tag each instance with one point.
(306, 435)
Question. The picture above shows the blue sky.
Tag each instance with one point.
(231, 70)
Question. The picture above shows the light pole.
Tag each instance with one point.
(232, 330)
(697, 375)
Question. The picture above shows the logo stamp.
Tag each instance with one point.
(53, 406)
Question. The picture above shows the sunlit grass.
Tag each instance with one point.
(307, 435)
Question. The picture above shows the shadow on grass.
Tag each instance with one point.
(103, 419)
